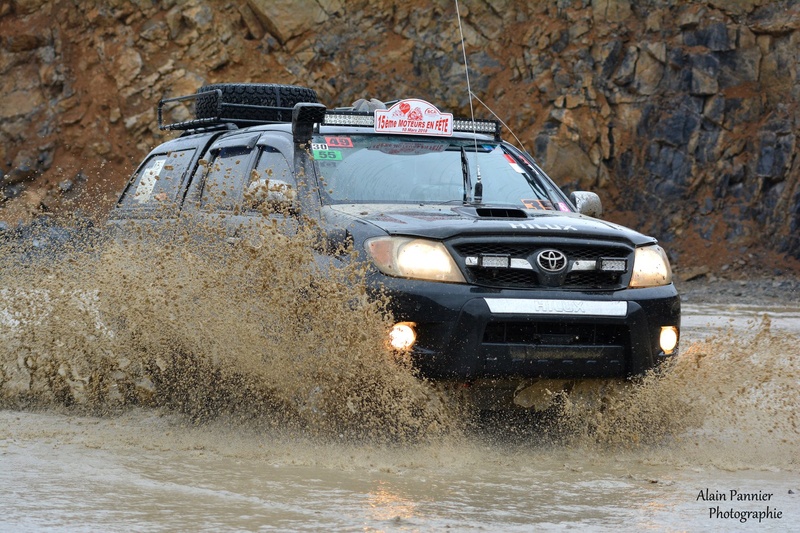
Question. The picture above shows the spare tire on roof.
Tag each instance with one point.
(271, 95)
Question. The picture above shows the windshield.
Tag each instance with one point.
(399, 169)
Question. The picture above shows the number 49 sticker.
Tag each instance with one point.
(339, 142)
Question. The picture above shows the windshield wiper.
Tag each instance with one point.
(465, 175)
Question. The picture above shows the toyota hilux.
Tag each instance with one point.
(495, 275)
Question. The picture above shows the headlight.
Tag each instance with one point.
(651, 267)
(406, 257)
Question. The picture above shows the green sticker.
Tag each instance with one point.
(327, 155)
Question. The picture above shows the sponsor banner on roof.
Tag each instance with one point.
(414, 116)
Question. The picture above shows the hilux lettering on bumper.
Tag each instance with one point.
(556, 307)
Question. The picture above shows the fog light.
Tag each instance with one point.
(402, 336)
(669, 339)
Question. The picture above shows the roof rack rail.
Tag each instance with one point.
(216, 109)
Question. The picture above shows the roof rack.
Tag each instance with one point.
(221, 113)
(216, 109)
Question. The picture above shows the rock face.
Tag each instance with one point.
(683, 116)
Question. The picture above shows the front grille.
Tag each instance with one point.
(499, 248)
(505, 277)
(518, 278)
(555, 350)
(554, 333)
(592, 280)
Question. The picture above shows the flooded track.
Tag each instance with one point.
(147, 472)
(151, 469)
(699, 320)
(713, 444)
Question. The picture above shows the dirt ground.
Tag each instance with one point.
(755, 289)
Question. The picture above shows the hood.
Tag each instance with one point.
(441, 222)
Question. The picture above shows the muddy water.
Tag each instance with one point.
(174, 390)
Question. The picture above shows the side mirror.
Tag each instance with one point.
(588, 203)
(272, 192)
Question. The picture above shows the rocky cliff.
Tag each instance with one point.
(682, 115)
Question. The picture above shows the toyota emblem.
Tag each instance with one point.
(551, 261)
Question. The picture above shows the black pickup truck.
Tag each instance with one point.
(495, 274)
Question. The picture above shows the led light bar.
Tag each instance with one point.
(355, 118)
(338, 118)
(495, 261)
(480, 126)
(610, 264)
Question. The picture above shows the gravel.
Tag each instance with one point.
(752, 290)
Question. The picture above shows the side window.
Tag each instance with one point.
(272, 180)
(226, 178)
(232, 173)
(272, 165)
(158, 180)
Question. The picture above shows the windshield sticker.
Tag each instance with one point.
(514, 164)
(537, 204)
(339, 142)
(326, 155)
(414, 116)
(409, 148)
(148, 181)
(563, 207)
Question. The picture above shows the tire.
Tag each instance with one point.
(255, 94)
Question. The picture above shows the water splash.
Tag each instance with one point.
(268, 333)
(730, 400)
(262, 329)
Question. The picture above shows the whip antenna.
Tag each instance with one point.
(500, 120)
(477, 197)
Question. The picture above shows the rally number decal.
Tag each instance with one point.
(339, 142)
(546, 205)
(327, 155)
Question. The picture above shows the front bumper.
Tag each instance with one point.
(468, 333)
